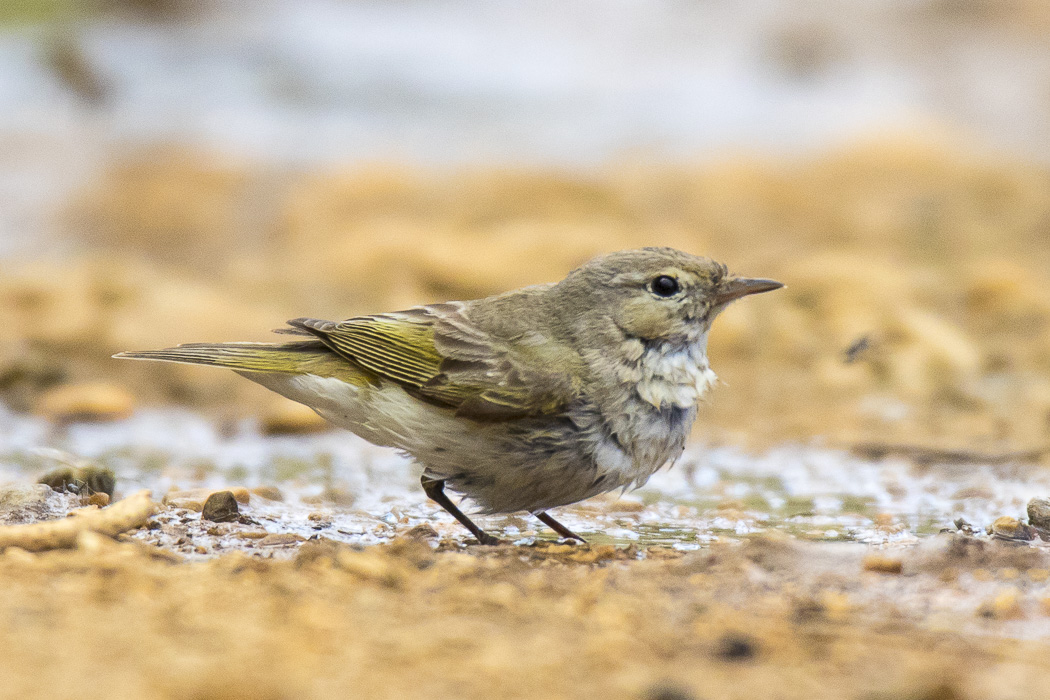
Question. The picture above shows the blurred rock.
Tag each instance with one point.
(97, 499)
(1008, 528)
(320, 519)
(95, 401)
(883, 564)
(423, 531)
(333, 495)
(24, 503)
(736, 647)
(1005, 606)
(270, 493)
(1039, 513)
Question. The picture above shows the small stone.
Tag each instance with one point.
(221, 507)
(26, 503)
(669, 692)
(1039, 513)
(883, 564)
(973, 492)
(253, 534)
(1038, 575)
(97, 499)
(320, 519)
(194, 499)
(1007, 528)
(285, 417)
(1005, 606)
(331, 496)
(281, 539)
(270, 493)
(736, 647)
(625, 506)
(423, 531)
(94, 402)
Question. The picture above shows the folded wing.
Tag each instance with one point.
(437, 354)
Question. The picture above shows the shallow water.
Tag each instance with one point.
(358, 493)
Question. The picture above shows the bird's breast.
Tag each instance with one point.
(665, 376)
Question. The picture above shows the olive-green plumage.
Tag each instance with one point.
(523, 401)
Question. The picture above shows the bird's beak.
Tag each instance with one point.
(736, 287)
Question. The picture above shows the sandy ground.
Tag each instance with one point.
(768, 619)
(917, 316)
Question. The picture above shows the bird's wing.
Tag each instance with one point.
(439, 355)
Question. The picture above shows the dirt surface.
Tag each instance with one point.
(770, 619)
(908, 356)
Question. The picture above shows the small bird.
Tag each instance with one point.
(523, 401)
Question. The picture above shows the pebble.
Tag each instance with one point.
(270, 493)
(1039, 513)
(883, 564)
(423, 531)
(97, 499)
(220, 507)
(736, 647)
(1009, 528)
(94, 402)
(320, 519)
(1005, 606)
(29, 502)
(194, 499)
(625, 506)
(331, 496)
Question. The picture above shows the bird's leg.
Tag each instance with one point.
(435, 489)
(558, 527)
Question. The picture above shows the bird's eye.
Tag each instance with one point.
(664, 286)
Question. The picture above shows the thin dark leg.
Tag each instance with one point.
(558, 527)
(435, 489)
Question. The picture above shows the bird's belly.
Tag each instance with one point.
(528, 464)
(628, 458)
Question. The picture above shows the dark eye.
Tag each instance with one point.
(664, 286)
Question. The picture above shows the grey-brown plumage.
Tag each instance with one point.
(528, 400)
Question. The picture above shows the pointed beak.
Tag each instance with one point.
(736, 287)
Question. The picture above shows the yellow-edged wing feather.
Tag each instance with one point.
(438, 355)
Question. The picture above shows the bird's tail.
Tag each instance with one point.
(292, 358)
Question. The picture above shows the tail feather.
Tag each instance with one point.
(292, 358)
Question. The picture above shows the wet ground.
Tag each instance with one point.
(829, 574)
(337, 485)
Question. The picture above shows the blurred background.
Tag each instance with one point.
(201, 170)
